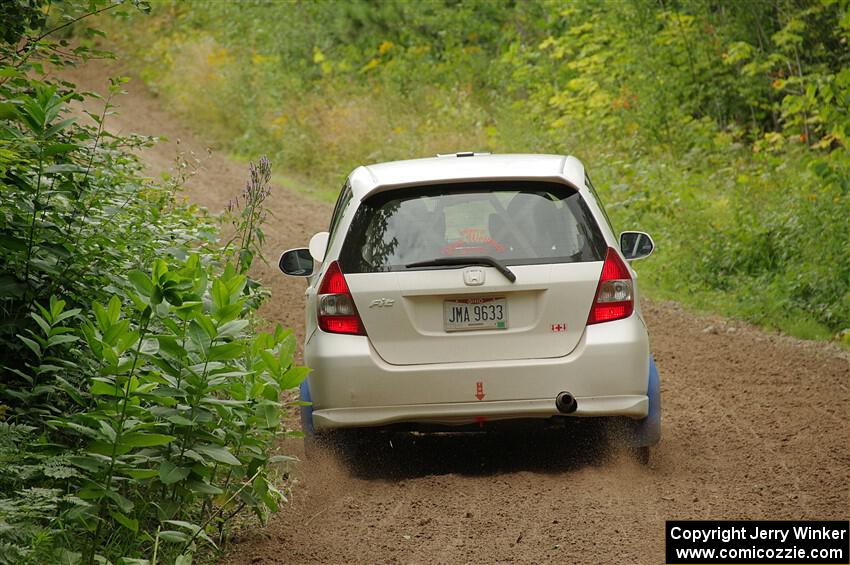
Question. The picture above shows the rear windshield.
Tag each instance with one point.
(518, 223)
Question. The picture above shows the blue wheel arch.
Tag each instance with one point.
(647, 431)
(306, 411)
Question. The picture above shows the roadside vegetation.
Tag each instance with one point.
(139, 402)
(719, 127)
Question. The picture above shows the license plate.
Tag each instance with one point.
(465, 314)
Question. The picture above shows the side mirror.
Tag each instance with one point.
(296, 262)
(636, 245)
(319, 246)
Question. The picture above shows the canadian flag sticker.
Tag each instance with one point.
(558, 328)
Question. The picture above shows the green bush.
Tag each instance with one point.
(139, 404)
(723, 131)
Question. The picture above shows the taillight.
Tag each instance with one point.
(615, 298)
(337, 313)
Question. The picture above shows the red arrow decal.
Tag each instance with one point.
(479, 390)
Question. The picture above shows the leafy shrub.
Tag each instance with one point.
(139, 405)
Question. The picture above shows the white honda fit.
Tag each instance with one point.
(469, 289)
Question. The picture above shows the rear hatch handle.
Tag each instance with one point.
(485, 260)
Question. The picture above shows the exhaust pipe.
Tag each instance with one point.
(566, 403)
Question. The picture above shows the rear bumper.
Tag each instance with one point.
(352, 386)
(472, 412)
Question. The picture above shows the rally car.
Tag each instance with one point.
(470, 289)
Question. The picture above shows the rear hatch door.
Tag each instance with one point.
(419, 312)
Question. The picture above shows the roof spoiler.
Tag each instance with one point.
(461, 154)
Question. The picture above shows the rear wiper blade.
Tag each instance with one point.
(469, 260)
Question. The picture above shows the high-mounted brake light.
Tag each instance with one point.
(337, 313)
(614, 298)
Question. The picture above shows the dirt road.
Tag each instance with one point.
(755, 426)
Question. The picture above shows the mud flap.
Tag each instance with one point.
(647, 432)
(306, 411)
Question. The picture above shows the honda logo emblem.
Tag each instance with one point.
(473, 277)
